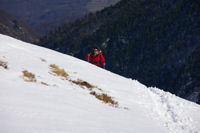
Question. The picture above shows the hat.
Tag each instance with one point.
(95, 48)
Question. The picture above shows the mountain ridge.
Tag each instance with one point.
(10, 25)
(40, 14)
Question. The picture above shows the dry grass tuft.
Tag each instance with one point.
(43, 60)
(28, 76)
(84, 83)
(58, 71)
(44, 83)
(3, 64)
(105, 98)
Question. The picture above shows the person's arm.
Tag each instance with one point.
(103, 60)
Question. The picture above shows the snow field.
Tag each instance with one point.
(60, 106)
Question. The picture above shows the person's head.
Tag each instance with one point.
(95, 51)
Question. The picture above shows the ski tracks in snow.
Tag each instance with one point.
(172, 113)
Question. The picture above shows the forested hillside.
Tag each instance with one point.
(11, 26)
(154, 41)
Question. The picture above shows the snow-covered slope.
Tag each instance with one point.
(72, 102)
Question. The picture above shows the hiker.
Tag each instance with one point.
(96, 58)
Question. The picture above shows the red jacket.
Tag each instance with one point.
(97, 60)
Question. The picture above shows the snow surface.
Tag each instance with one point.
(64, 107)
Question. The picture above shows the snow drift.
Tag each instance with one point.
(43, 91)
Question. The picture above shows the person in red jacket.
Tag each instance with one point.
(96, 58)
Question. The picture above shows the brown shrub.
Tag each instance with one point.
(3, 64)
(105, 98)
(28, 76)
(58, 71)
(83, 83)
